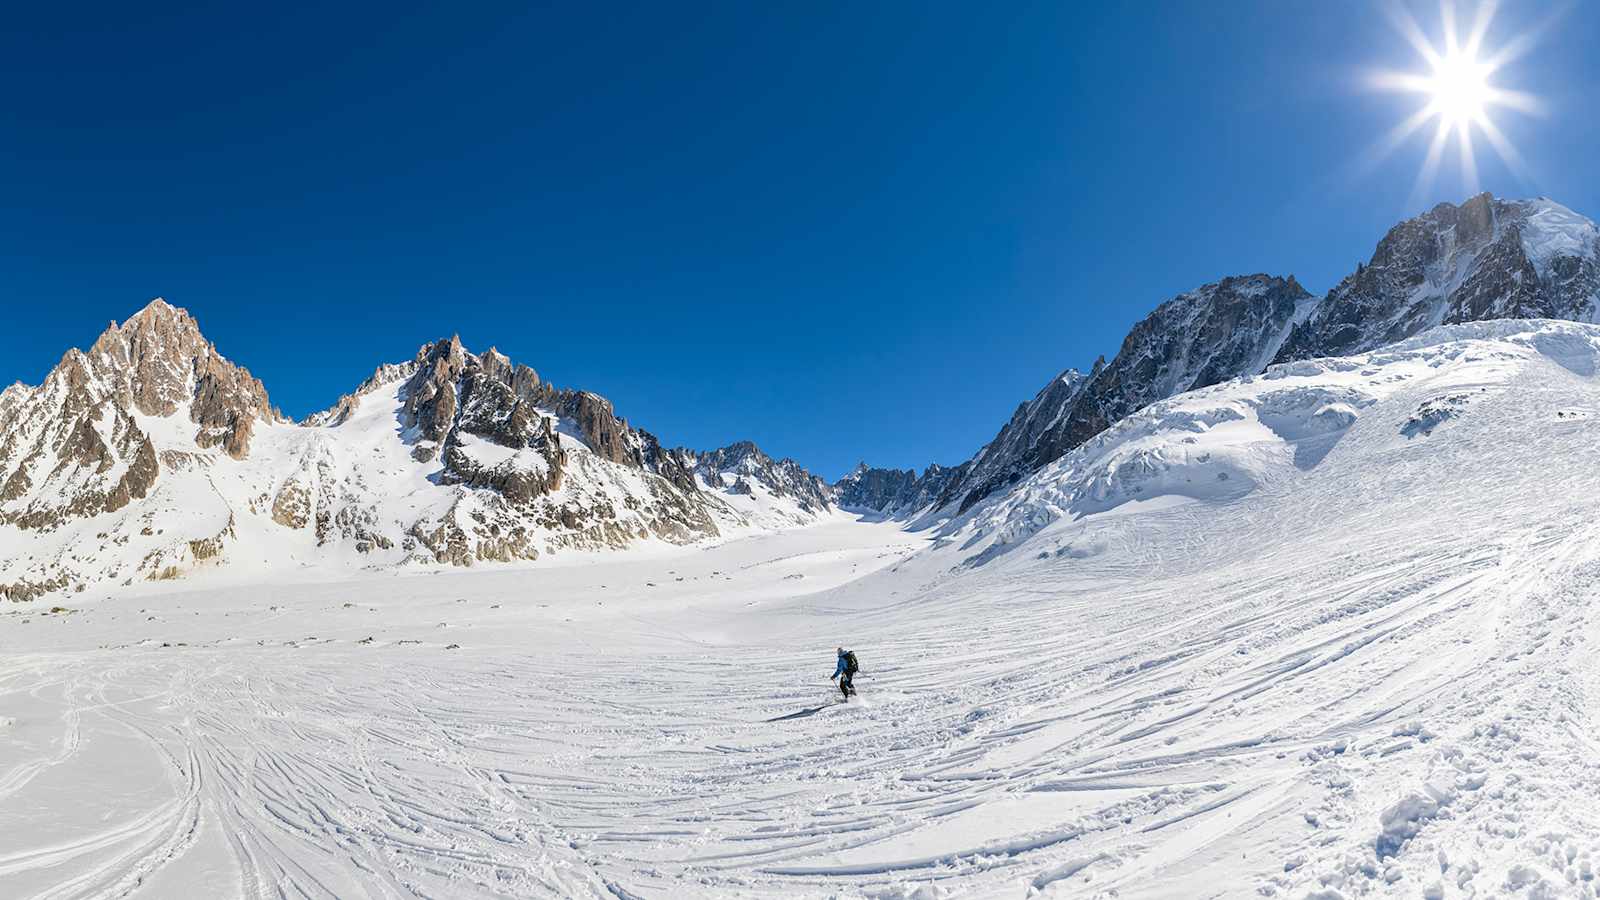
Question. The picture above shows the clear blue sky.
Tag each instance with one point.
(844, 231)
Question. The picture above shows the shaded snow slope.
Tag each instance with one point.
(1364, 666)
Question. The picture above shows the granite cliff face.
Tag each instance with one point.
(1197, 339)
(80, 444)
(150, 456)
(1485, 259)
(893, 492)
(743, 470)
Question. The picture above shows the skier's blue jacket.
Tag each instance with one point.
(839, 669)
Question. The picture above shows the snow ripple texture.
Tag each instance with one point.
(1364, 665)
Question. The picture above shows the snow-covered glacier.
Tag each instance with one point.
(1361, 664)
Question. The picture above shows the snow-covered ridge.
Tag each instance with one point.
(1364, 665)
(1552, 233)
(1484, 259)
(1200, 337)
(152, 456)
(1268, 432)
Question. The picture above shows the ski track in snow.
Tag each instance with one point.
(1375, 678)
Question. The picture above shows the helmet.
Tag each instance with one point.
(841, 651)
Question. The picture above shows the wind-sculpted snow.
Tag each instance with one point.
(1372, 674)
(1213, 445)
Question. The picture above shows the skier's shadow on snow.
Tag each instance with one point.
(801, 714)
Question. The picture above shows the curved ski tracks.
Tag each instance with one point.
(1383, 683)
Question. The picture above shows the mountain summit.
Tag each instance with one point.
(81, 444)
(152, 455)
(1484, 259)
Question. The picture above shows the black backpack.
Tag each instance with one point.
(850, 667)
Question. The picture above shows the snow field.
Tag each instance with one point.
(1373, 673)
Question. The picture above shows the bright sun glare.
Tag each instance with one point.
(1457, 90)
(1460, 88)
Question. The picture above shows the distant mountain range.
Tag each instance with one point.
(151, 455)
(1485, 259)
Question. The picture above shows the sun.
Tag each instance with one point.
(1458, 90)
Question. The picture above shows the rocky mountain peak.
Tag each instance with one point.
(735, 466)
(1215, 332)
(894, 492)
(79, 444)
(450, 457)
(156, 364)
(1484, 259)
(500, 367)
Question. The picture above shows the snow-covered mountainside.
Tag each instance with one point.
(1486, 259)
(1217, 331)
(780, 492)
(152, 455)
(1328, 632)
(1264, 432)
(1207, 335)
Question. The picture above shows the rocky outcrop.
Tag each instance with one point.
(291, 508)
(1485, 259)
(137, 481)
(893, 492)
(125, 463)
(736, 466)
(1215, 332)
(601, 429)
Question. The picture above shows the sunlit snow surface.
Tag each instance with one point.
(1363, 663)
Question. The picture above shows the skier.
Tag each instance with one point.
(847, 668)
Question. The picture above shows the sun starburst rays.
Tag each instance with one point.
(1459, 92)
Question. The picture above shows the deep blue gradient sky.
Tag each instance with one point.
(845, 231)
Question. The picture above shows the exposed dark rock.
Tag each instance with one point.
(733, 468)
(1216, 332)
(894, 492)
(1484, 259)
(83, 418)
